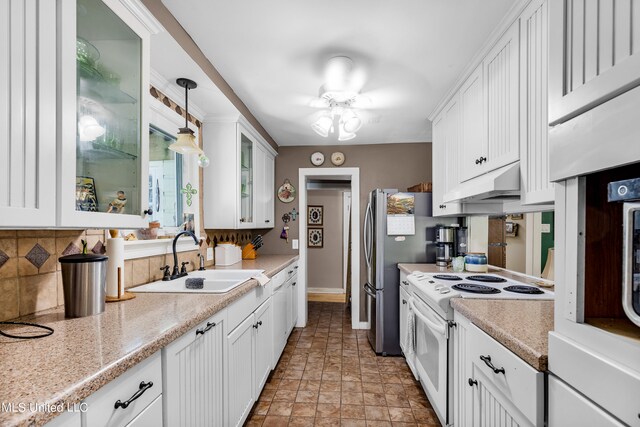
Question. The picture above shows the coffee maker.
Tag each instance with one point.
(445, 245)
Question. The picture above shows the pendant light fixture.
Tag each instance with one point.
(186, 142)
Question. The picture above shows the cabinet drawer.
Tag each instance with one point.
(521, 384)
(151, 416)
(101, 410)
(240, 309)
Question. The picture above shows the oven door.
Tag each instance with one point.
(631, 254)
(432, 336)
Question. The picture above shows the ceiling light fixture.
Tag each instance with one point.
(338, 94)
(186, 142)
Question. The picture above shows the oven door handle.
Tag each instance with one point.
(440, 329)
(629, 210)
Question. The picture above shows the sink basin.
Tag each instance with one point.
(215, 282)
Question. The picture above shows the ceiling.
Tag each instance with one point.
(272, 53)
(204, 100)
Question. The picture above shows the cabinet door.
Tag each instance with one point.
(28, 113)
(104, 143)
(502, 101)
(473, 125)
(294, 300)
(151, 416)
(404, 314)
(491, 409)
(269, 190)
(288, 290)
(264, 344)
(240, 361)
(462, 393)
(264, 188)
(193, 372)
(595, 55)
(247, 169)
(279, 299)
(534, 128)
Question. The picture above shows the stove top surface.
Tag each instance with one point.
(475, 288)
(486, 278)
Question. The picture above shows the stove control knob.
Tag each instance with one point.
(431, 281)
(438, 287)
(445, 291)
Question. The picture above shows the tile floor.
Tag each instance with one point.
(329, 376)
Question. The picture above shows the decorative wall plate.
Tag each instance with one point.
(337, 158)
(287, 192)
(317, 158)
(315, 238)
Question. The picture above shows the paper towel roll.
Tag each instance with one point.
(115, 252)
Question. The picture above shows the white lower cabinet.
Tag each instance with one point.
(249, 349)
(121, 401)
(280, 319)
(67, 419)
(240, 370)
(151, 416)
(568, 408)
(193, 375)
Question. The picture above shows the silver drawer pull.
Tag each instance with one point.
(487, 361)
(205, 329)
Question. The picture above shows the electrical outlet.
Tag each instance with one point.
(294, 243)
(545, 228)
(209, 254)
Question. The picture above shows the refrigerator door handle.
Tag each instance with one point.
(367, 235)
(368, 289)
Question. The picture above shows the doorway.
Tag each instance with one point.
(350, 177)
(496, 251)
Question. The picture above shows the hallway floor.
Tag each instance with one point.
(329, 376)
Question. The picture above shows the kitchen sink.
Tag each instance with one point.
(215, 282)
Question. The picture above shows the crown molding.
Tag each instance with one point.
(512, 15)
(170, 89)
(141, 12)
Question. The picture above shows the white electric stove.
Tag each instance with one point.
(437, 289)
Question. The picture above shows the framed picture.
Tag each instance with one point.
(314, 215)
(511, 229)
(86, 195)
(315, 237)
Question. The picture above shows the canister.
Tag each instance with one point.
(84, 284)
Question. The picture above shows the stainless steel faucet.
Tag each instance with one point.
(183, 270)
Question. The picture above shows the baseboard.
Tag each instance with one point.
(325, 291)
(363, 325)
(326, 297)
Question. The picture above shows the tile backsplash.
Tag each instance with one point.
(30, 278)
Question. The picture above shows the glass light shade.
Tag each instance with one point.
(89, 129)
(186, 143)
(322, 126)
(337, 73)
(343, 135)
(351, 122)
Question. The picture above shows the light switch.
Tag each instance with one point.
(545, 228)
(294, 243)
(209, 254)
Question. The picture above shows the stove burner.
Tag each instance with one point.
(474, 288)
(487, 279)
(446, 277)
(523, 289)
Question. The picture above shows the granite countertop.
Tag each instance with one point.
(85, 354)
(522, 326)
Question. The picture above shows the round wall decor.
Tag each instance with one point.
(337, 158)
(287, 192)
(317, 158)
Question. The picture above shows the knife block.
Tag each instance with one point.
(249, 252)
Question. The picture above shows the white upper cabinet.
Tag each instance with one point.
(502, 101)
(534, 130)
(473, 129)
(595, 54)
(103, 126)
(445, 158)
(27, 113)
(235, 184)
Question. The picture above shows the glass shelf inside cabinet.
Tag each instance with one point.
(109, 128)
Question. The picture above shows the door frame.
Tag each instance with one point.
(352, 174)
(347, 201)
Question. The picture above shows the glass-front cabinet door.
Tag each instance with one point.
(107, 168)
(247, 173)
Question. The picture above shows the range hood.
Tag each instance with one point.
(496, 186)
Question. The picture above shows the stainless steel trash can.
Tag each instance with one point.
(84, 284)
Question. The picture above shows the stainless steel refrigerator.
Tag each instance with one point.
(383, 253)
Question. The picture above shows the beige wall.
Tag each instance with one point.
(381, 166)
(325, 264)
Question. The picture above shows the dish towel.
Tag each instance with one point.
(262, 279)
(411, 332)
